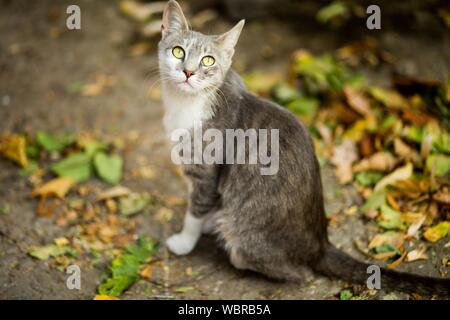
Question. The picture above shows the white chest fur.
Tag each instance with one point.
(183, 110)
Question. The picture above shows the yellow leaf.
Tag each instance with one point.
(13, 147)
(104, 297)
(437, 232)
(56, 187)
(401, 173)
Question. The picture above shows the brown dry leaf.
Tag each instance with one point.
(393, 238)
(417, 254)
(46, 209)
(395, 263)
(384, 255)
(111, 205)
(401, 173)
(442, 196)
(146, 272)
(56, 187)
(114, 192)
(392, 202)
(343, 157)
(411, 217)
(13, 147)
(406, 152)
(380, 161)
(357, 101)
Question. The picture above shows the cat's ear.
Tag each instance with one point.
(173, 18)
(229, 39)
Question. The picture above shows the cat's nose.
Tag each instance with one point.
(188, 73)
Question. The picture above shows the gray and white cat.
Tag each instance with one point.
(271, 224)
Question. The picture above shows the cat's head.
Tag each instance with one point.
(189, 61)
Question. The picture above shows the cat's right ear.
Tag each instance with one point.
(173, 19)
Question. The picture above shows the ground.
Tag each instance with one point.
(38, 63)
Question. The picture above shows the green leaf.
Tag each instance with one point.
(389, 218)
(144, 250)
(385, 248)
(184, 289)
(375, 200)
(125, 268)
(108, 167)
(284, 93)
(31, 168)
(332, 11)
(133, 203)
(93, 146)
(304, 106)
(33, 150)
(115, 286)
(77, 167)
(345, 295)
(439, 164)
(52, 142)
(51, 250)
(368, 178)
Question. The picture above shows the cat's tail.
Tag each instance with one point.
(336, 263)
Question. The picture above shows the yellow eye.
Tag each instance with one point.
(178, 52)
(208, 61)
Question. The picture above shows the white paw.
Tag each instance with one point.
(180, 244)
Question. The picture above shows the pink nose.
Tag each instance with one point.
(188, 73)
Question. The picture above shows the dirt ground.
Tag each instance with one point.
(39, 59)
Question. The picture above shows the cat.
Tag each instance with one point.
(271, 224)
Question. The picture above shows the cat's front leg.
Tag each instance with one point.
(203, 199)
(183, 242)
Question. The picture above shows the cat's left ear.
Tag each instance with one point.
(173, 18)
(229, 39)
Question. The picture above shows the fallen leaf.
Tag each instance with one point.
(406, 152)
(389, 98)
(416, 254)
(357, 101)
(51, 250)
(401, 173)
(77, 166)
(114, 192)
(105, 297)
(395, 239)
(437, 232)
(133, 203)
(343, 157)
(56, 187)
(389, 218)
(380, 161)
(13, 147)
(146, 272)
(438, 164)
(108, 167)
(184, 289)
